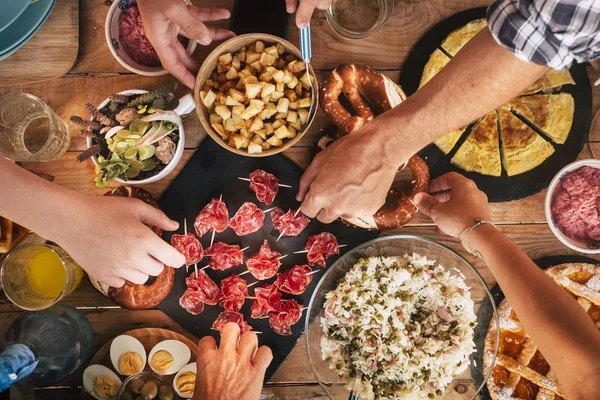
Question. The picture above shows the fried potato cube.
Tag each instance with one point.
(259, 46)
(240, 85)
(272, 51)
(244, 132)
(278, 123)
(297, 124)
(280, 115)
(247, 124)
(275, 141)
(280, 87)
(262, 133)
(221, 78)
(238, 122)
(226, 59)
(287, 76)
(220, 130)
(304, 103)
(221, 98)
(240, 141)
(282, 105)
(290, 58)
(296, 67)
(282, 132)
(254, 148)
(237, 109)
(236, 63)
(253, 108)
(208, 99)
(209, 82)
(256, 139)
(257, 66)
(268, 111)
(230, 101)
(278, 76)
(298, 90)
(267, 90)
(257, 124)
(220, 69)
(280, 48)
(223, 111)
(293, 83)
(253, 89)
(242, 54)
(291, 95)
(237, 96)
(215, 119)
(250, 80)
(252, 56)
(303, 115)
(305, 80)
(232, 74)
(206, 88)
(224, 88)
(269, 128)
(229, 126)
(292, 116)
(265, 145)
(265, 76)
(293, 105)
(267, 59)
(292, 130)
(243, 74)
(275, 96)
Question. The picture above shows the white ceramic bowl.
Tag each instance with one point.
(168, 169)
(571, 243)
(111, 31)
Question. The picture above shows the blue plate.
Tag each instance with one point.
(23, 28)
(10, 10)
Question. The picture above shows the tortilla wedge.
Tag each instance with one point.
(461, 36)
(522, 148)
(447, 142)
(437, 61)
(481, 151)
(550, 80)
(551, 113)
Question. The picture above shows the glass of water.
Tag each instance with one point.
(357, 19)
(30, 130)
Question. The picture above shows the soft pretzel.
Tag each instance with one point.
(370, 94)
(130, 295)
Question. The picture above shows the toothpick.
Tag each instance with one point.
(297, 211)
(196, 268)
(306, 251)
(269, 210)
(185, 233)
(203, 268)
(303, 308)
(245, 248)
(282, 257)
(251, 297)
(257, 332)
(244, 273)
(212, 238)
(252, 284)
(311, 273)
(281, 234)
(285, 186)
(280, 184)
(243, 179)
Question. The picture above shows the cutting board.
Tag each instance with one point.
(51, 53)
(212, 172)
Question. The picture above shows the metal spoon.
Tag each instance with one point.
(355, 393)
(306, 53)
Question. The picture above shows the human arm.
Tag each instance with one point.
(559, 326)
(164, 20)
(305, 9)
(105, 235)
(482, 76)
(235, 370)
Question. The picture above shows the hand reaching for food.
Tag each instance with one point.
(305, 10)
(454, 204)
(164, 20)
(235, 370)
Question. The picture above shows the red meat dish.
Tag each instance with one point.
(231, 316)
(189, 246)
(294, 280)
(235, 291)
(191, 301)
(208, 290)
(264, 264)
(320, 247)
(248, 219)
(287, 224)
(266, 298)
(214, 216)
(265, 186)
(286, 314)
(224, 256)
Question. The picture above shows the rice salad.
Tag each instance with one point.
(405, 322)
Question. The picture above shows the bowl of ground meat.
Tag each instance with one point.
(573, 206)
(127, 41)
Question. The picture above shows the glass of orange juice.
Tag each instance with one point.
(37, 275)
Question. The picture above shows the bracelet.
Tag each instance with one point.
(469, 230)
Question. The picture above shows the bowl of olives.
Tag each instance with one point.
(146, 386)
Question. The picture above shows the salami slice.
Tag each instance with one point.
(287, 224)
(320, 247)
(231, 316)
(189, 246)
(224, 256)
(235, 291)
(191, 301)
(248, 219)
(294, 280)
(208, 291)
(287, 313)
(213, 216)
(266, 298)
(265, 185)
(264, 264)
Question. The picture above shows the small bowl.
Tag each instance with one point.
(111, 30)
(145, 375)
(167, 170)
(576, 245)
(210, 64)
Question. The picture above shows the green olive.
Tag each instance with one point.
(127, 396)
(136, 385)
(149, 390)
(165, 393)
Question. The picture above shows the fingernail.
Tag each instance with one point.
(302, 25)
(175, 225)
(205, 40)
(418, 198)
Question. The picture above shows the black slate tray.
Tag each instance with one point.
(213, 171)
(503, 188)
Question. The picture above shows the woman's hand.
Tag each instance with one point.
(454, 203)
(164, 20)
(305, 10)
(235, 370)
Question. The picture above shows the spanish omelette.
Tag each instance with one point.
(461, 36)
(481, 151)
(437, 61)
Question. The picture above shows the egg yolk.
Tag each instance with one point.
(130, 363)
(186, 383)
(161, 361)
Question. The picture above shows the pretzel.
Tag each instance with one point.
(361, 85)
(130, 295)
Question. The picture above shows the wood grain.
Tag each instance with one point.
(50, 53)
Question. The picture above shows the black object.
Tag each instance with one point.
(502, 188)
(214, 171)
(264, 16)
(483, 324)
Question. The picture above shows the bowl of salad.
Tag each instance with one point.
(135, 136)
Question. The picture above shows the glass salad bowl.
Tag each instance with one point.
(468, 384)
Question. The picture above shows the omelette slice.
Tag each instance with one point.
(461, 36)
(447, 142)
(551, 113)
(550, 80)
(522, 148)
(481, 151)
(437, 61)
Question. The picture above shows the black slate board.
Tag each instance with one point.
(501, 188)
(213, 171)
(544, 263)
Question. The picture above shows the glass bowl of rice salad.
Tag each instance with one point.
(409, 313)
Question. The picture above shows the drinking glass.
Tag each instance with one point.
(30, 130)
(357, 19)
(26, 288)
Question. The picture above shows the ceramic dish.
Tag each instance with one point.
(464, 386)
(11, 9)
(582, 247)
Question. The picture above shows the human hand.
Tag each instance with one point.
(305, 10)
(455, 203)
(165, 19)
(236, 370)
(108, 238)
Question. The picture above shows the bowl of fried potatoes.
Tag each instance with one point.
(254, 95)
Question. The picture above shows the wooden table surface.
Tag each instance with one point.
(96, 75)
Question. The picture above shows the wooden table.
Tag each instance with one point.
(96, 75)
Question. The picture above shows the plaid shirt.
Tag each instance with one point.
(548, 32)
